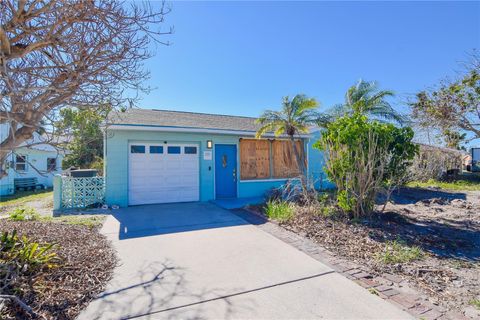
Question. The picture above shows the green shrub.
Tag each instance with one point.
(23, 214)
(279, 210)
(363, 157)
(398, 252)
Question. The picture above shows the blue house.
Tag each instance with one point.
(160, 156)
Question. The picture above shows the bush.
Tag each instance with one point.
(279, 210)
(23, 214)
(363, 158)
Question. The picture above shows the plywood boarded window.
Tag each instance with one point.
(254, 159)
(284, 162)
(265, 159)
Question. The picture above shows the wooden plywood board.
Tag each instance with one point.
(254, 159)
(284, 162)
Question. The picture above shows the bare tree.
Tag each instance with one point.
(453, 106)
(56, 54)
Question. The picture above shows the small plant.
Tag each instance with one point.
(24, 214)
(398, 252)
(373, 291)
(25, 254)
(8, 241)
(33, 254)
(279, 210)
(475, 303)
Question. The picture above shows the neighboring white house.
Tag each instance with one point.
(41, 161)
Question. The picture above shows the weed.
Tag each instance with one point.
(326, 211)
(24, 214)
(475, 303)
(398, 252)
(279, 210)
(373, 291)
(325, 207)
(323, 198)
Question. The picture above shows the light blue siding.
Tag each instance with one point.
(116, 163)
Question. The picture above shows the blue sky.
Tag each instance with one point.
(242, 57)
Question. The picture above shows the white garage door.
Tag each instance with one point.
(161, 173)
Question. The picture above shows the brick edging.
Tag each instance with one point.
(389, 287)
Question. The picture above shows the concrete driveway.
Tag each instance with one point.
(198, 261)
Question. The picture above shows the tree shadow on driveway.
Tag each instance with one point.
(160, 291)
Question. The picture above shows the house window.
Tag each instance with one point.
(137, 149)
(20, 163)
(156, 149)
(265, 159)
(190, 150)
(173, 150)
(51, 164)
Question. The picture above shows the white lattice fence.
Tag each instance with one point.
(82, 192)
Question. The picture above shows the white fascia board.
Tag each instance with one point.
(192, 130)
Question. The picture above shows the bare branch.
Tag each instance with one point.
(64, 54)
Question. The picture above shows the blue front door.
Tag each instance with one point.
(226, 170)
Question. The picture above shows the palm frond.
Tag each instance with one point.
(365, 97)
(296, 115)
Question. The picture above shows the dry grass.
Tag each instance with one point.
(22, 197)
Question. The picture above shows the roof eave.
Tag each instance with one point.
(142, 127)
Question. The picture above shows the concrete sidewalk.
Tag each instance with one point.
(198, 261)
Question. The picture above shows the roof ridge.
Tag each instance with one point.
(193, 112)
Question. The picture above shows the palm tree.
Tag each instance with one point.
(295, 118)
(366, 98)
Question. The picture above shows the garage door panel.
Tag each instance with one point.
(173, 164)
(190, 165)
(162, 178)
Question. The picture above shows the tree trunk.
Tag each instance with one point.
(299, 159)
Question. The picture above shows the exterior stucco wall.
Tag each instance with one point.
(116, 163)
(316, 162)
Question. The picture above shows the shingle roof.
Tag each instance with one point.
(166, 118)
